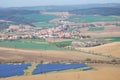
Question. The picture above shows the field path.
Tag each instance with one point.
(30, 69)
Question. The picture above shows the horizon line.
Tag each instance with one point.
(54, 5)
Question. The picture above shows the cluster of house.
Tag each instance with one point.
(86, 43)
(53, 32)
(19, 28)
(28, 32)
(14, 36)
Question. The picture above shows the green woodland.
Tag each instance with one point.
(92, 18)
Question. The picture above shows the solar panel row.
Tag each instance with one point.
(7, 70)
(43, 68)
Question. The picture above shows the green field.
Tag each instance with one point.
(30, 69)
(70, 29)
(118, 25)
(44, 25)
(92, 18)
(30, 44)
(63, 43)
(112, 39)
(37, 17)
(96, 29)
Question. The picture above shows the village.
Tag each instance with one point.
(61, 31)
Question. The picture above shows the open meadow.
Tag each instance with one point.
(20, 55)
(85, 18)
(101, 31)
(39, 44)
(108, 49)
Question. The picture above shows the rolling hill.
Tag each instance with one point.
(108, 49)
(62, 8)
(105, 11)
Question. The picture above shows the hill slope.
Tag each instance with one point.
(108, 49)
(105, 11)
(61, 8)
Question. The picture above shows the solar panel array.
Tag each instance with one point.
(43, 68)
(7, 70)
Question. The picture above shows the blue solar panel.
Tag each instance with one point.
(7, 70)
(43, 68)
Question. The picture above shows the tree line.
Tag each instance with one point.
(10, 15)
(105, 11)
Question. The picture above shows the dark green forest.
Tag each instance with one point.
(10, 15)
(104, 11)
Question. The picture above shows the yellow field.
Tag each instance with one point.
(108, 49)
(11, 54)
(109, 31)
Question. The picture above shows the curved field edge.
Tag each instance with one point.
(30, 44)
(106, 49)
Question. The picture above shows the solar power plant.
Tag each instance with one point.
(43, 68)
(7, 70)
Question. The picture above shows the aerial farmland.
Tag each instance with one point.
(60, 42)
